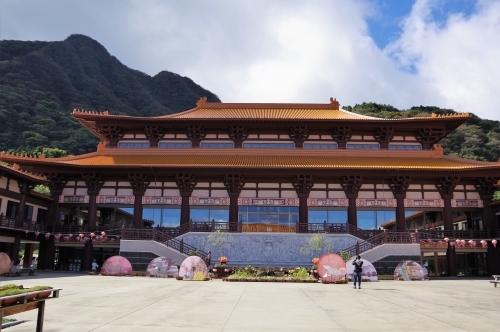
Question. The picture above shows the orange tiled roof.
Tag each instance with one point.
(263, 158)
(16, 170)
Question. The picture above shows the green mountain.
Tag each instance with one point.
(477, 139)
(41, 82)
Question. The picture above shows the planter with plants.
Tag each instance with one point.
(43, 291)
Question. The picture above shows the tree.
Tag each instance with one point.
(316, 245)
(496, 196)
(42, 189)
(218, 241)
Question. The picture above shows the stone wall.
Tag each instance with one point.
(265, 249)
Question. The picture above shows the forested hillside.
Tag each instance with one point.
(478, 139)
(41, 82)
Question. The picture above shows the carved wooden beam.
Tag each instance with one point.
(238, 134)
(154, 134)
(486, 187)
(195, 133)
(429, 136)
(447, 185)
(186, 183)
(56, 184)
(351, 185)
(112, 134)
(303, 184)
(299, 134)
(93, 182)
(384, 135)
(139, 183)
(342, 134)
(234, 183)
(399, 185)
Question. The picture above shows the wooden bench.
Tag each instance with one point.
(496, 281)
(24, 305)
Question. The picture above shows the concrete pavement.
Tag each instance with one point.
(97, 303)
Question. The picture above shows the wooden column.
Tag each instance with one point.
(493, 259)
(186, 183)
(24, 188)
(486, 187)
(451, 258)
(399, 185)
(87, 255)
(42, 253)
(139, 183)
(50, 252)
(233, 183)
(94, 184)
(57, 182)
(28, 255)
(445, 187)
(14, 251)
(303, 185)
(351, 185)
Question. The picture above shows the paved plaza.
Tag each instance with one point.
(97, 303)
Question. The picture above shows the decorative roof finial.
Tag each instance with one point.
(334, 103)
(438, 149)
(202, 102)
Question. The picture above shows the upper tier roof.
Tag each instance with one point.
(205, 110)
(255, 111)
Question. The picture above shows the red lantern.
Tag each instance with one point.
(446, 239)
(494, 243)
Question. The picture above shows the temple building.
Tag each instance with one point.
(269, 169)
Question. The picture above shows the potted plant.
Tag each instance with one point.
(10, 292)
(41, 288)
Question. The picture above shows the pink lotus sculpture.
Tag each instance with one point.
(4, 263)
(162, 267)
(116, 265)
(193, 268)
(368, 271)
(409, 270)
(331, 267)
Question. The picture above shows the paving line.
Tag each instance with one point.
(310, 298)
(412, 310)
(228, 318)
(166, 297)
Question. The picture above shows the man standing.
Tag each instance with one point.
(358, 263)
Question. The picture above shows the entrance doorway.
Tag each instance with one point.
(471, 264)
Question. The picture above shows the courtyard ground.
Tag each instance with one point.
(97, 303)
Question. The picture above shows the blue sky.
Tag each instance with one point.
(385, 25)
(400, 52)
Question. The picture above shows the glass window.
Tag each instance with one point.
(268, 145)
(373, 219)
(317, 216)
(364, 146)
(133, 145)
(41, 214)
(322, 146)
(28, 212)
(404, 147)
(175, 145)
(215, 145)
(330, 215)
(207, 213)
(12, 209)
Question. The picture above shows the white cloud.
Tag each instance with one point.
(458, 59)
(286, 51)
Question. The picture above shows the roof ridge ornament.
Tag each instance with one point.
(334, 103)
(202, 102)
(438, 149)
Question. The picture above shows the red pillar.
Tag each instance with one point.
(352, 211)
(138, 211)
(185, 208)
(233, 212)
(452, 261)
(447, 214)
(400, 214)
